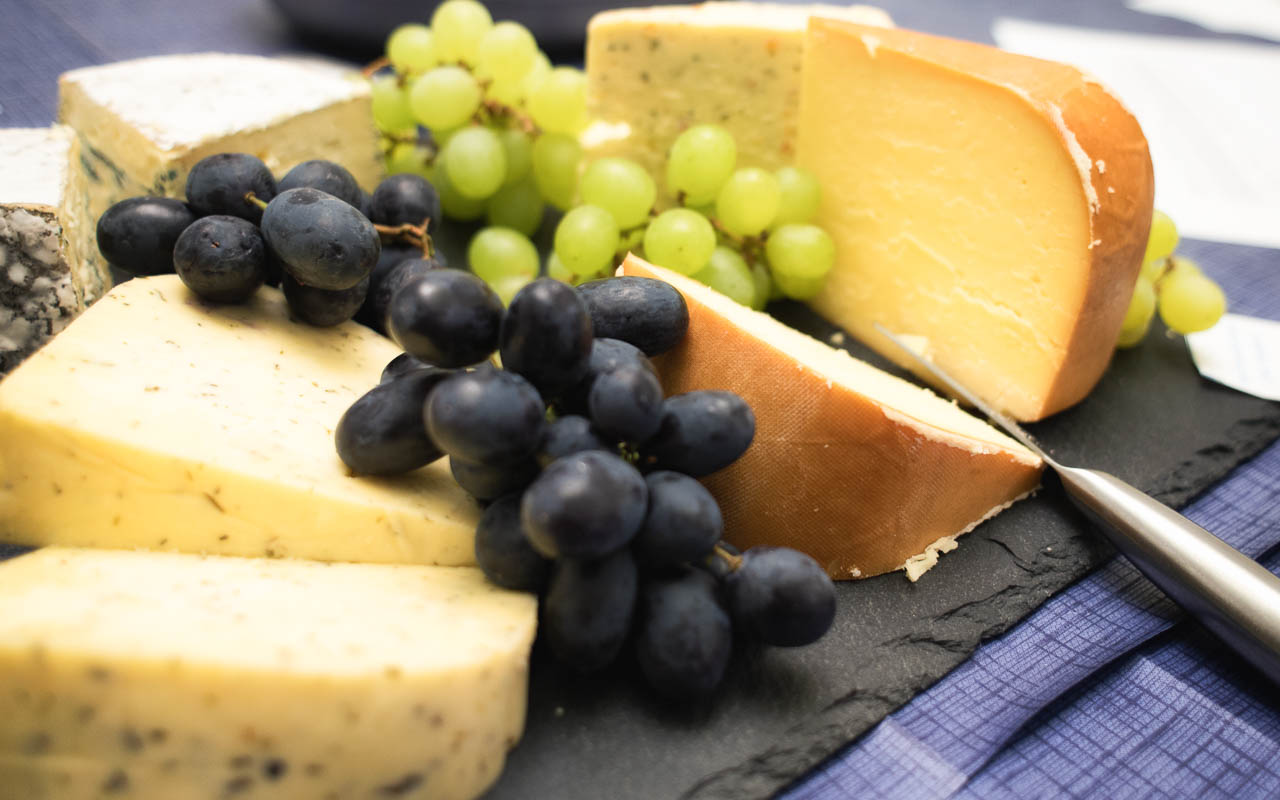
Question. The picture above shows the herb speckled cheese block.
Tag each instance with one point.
(157, 421)
(653, 72)
(45, 281)
(143, 124)
(862, 470)
(162, 676)
(993, 204)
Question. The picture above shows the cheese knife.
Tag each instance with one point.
(1232, 595)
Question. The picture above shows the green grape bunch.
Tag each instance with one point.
(1186, 299)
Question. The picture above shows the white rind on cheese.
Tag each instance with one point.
(653, 72)
(141, 125)
(862, 470)
(44, 280)
(160, 676)
(158, 421)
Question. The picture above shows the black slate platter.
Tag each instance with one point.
(1152, 421)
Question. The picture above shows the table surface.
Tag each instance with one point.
(1139, 704)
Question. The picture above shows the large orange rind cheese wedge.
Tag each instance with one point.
(863, 471)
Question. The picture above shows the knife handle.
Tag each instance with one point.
(1229, 593)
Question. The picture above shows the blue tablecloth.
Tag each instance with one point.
(1102, 692)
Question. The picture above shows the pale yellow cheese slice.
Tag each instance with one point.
(142, 124)
(863, 471)
(159, 676)
(994, 204)
(653, 72)
(158, 421)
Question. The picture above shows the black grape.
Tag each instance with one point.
(781, 596)
(322, 307)
(446, 317)
(382, 433)
(218, 184)
(683, 635)
(606, 356)
(486, 416)
(584, 505)
(502, 552)
(405, 199)
(546, 336)
(327, 177)
(489, 481)
(322, 241)
(648, 313)
(569, 434)
(137, 235)
(221, 258)
(626, 403)
(701, 432)
(385, 278)
(400, 365)
(588, 608)
(683, 522)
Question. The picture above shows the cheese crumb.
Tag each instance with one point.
(920, 564)
(837, 338)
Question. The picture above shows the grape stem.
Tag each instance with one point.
(495, 110)
(374, 66)
(732, 560)
(253, 199)
(415, 235)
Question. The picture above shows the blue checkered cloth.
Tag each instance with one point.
(1104, 691)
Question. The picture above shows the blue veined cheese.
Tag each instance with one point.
(45, 278)
(653, 72)
(160, 676)
(143, 124)
(157, 421)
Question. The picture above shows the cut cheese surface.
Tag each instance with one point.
(653, 72)
(143, 124)
(159, 676)
(861, 470)
(44, 282)
(994, 204)
(158, 421)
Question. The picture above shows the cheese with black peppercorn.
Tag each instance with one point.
(157, 676)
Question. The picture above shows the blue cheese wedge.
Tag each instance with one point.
(143, 124)
(157, 421)
(156, 676)
(653, 72)
(45, 279)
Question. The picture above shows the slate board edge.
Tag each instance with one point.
(839, 726)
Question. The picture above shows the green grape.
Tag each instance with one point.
(391, 112)
(801, 194)
(800, 256)
(476, 162)
(555, 168)
(1137, 320)
(748, 201)
(509, 285)
(728, 273)
(1163, 238)
(518, 206)
(1189, 301)
(496, 253)
(410, 49)
(586, 239)
(1184, 264)
(622, 187)
(459, 25)
(556, 269)
(407, 157)
(444, 97)
(508, 93)
(558, 102)
(763, 285)
(701, 159)
(1153, 269)
(680, 240)
(519, 151)
(631, 241)
(453, 203)
(541, 68)
(506, 52)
